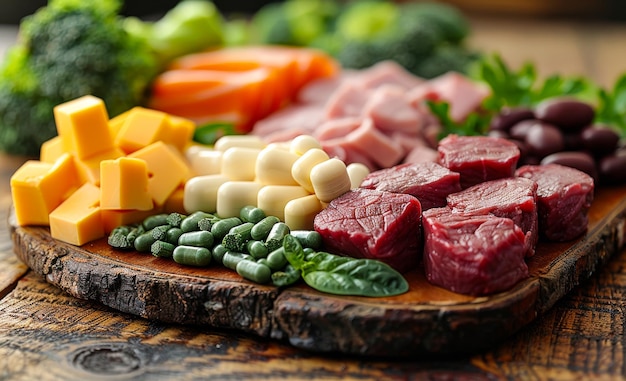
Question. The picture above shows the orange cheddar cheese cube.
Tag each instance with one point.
(83, 125)
(180, 132)
(175, 203)
(116, 123)
(141, 128)
(167, 169)
(124, 184)
(37, 188)
(89, 169)
(51, 150)
(78, 219)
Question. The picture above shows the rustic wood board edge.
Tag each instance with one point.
(314, 321)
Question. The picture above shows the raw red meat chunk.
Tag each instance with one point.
(513, 197)
(472, 254)
(478, 158)
(366, 223)
(564, 196)
(430, 182)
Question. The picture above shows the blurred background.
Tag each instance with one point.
(13, 10)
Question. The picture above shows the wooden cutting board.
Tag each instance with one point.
(425, 320)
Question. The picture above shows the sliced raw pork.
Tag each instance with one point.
(478, 158)
(513, 197)
(430, 182)
(564, 196)
(365, 223)
(472, 254)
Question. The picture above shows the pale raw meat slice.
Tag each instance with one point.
(320, 90)
(464, 95)
(365, 223)
(478, 158)
(347, 100)
(472, 254)
(379, 147)
(391, 110)
(564, 196)
(429, 182)
(421, 154)
(339, 148)
(336, 128)
(301, 117)
(389, 72)
(513, 197)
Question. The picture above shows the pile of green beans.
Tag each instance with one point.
(250, 244)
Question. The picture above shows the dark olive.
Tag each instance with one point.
(612, 169)
(565, 113)
(507, 117)
(599, 139)
(543, 139)
(576, 159)
(520, 129)
(573, 141)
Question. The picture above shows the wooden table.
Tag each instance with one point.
(47, 335)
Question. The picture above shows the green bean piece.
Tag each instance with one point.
(162, 249)
(160, 232)
(238, 236)
(198, 238)
(274, 239)
(218, 253)
(174, 219)
(155, 220)
(257, 249)
(144, 241)
(223, 226)
(173, 234)
(231, 258)
(192, 256)
(251, 213)
(119, 240)
(262, 228)
(206, 223)
(276, 259)
(190, 223)
(308, 238)
(254, 271)
(134, 233)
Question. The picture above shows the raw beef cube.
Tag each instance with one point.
(478, 158)
(472, 254)
(430, 182)
(365, 223)
(514, 198)
(564, 196)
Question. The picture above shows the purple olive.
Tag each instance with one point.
(565, 113)
(507, 117)
(543, 139)
(612, 169)
(599, 139)
(576, 159)
(520, 129)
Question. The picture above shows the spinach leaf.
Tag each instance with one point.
(342, 275)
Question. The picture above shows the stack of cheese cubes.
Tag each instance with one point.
(99, 173)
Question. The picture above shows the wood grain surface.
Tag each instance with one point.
(46, 334)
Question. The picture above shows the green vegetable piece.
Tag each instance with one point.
(231, 258)
(199, 238)
(119, 240)
(254, 271)
(276, 259)
(340, 275)
(173, 234)
(134, 233)
(262, 228)
(367, 20)
(209, 133)
(251, 213)
(207, 223)
(238, 236)
(308, 238)
(174, 219)
(162, 249)
(256, 249)
(218, 253)
(144, 241)
(160, 232)
(274, 239)
(190, 223)
(223, 226)
(287, 277)
(155, 220)
(192, 256)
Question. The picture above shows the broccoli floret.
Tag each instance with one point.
(444, 59)
(447, 20)
(68, 49)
